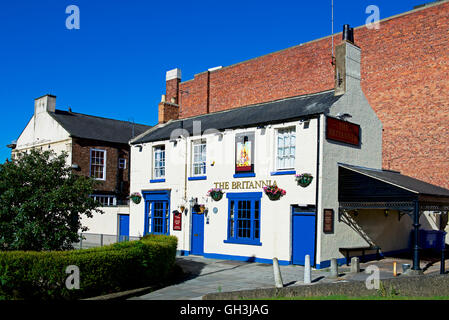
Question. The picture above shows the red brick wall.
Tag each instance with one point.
(405, 76)
(114, 176)
(168, 111)
(172, 89)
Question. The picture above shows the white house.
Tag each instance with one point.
(96, 147)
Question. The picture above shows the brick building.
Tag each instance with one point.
(405, 69)
(96, 147)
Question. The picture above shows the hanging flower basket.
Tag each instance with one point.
(135, 197)
(215, 193)
(274, 192)
(304, 179)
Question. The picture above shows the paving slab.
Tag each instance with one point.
(214, 275)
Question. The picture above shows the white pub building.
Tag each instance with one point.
(324, 153)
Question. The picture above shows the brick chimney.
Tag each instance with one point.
(347, 63)
(172, 80)
(169, 105)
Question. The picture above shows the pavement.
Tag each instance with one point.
(213, 275)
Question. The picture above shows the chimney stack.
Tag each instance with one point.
(169, 105)
(172, 80)
(45, 103)
(347, 63)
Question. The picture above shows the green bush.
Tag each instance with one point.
(117, 267)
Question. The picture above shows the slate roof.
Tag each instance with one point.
(96, 128)
(400, 180)
(259, 114)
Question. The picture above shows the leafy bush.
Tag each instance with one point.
(42, 201)
(113, 268)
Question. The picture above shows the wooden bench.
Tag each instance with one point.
(363, 249)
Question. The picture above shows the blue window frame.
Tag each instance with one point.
(157, 212)
(244, 218)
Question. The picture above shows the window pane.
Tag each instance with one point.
(97, 166)
(199, 158)
(286, 148)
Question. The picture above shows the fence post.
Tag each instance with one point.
(101, 240)
(81, 241)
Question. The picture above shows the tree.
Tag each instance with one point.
(42, 201)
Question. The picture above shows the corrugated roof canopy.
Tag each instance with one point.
(383, 185)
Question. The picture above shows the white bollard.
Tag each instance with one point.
(355, 265)
(334, 269)
(277, 274)
(307, 271)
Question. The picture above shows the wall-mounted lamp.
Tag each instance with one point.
(343, 116)
(386, 212)
(263, 129)
(219, 135)
(355, 212)
(140, 147)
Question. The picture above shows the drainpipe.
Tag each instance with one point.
(185, 193)
(317, 185)
(416, 225)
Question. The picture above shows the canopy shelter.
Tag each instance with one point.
(366, 188)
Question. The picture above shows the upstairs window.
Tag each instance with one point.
(98, 164)
(286, 148)
(122, 163)
(159, 162)
(199, 158)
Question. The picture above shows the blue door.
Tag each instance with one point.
(157, 212)
(197, 246)
(123, 227)
(303, 236)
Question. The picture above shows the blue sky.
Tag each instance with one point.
(114, 65)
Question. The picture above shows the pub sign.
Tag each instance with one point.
(342, 131)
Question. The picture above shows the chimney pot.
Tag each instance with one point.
(348, 33)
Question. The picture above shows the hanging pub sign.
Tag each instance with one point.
(177, 217)
(244, 152)
(342, 131)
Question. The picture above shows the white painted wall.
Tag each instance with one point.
(106, 223)
(275, 215)
(368, 155)
(43, 131)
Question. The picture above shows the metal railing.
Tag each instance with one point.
(93, 240)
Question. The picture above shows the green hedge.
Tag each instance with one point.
(113, 268)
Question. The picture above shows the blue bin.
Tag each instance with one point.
(432, 239)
